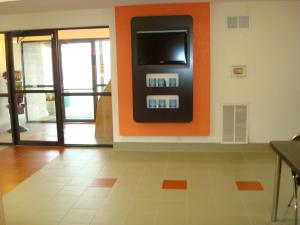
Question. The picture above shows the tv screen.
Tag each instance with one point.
(162, 47)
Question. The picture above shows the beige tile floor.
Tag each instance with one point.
(60, 193)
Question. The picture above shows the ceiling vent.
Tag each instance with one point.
(235, 22)
(234, 124)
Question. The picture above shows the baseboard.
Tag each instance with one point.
(191, 147)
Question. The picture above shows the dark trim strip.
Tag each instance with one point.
(87, 94)
(34, 91)
(90, 145)
(81, 121)
(81, 40)
(38, 86)
(41, 121)
(83, 28)
(38, 142)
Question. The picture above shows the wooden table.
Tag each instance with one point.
(289, 152)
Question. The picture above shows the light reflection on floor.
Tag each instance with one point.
(75, 133)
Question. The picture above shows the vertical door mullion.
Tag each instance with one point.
(24, 80)
(94, 74)
(57, 87)
(11, 88)
(59, 54)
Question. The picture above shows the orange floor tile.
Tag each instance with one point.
(249, 186)
(103, 182)
(18, 163)
(174, 184)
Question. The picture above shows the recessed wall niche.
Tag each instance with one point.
(162, 68)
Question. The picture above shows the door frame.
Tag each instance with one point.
(56, 82)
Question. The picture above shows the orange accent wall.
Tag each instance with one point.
(200, 126)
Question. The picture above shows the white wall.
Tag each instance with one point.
(270, 49)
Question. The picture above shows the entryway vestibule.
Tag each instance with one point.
(58, 87)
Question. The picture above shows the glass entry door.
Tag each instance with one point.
(35, 87)
(86, 93)
(78, 77)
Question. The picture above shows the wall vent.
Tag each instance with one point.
(243, 21)
(234, 124)
(235, 22)
(232, 22)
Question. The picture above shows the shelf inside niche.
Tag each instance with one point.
(161, 80)
(162, 101)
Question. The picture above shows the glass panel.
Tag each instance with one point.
(33, 63)
(37, 117)
(77, 67)
(103, 65)
(79, 107)
(99, 132)
(5, 127)
(3, 82)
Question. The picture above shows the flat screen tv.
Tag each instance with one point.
(162, 47)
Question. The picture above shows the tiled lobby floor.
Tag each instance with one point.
(71, 190)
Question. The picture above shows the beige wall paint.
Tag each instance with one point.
(270, 48)
(61, 19)
(2, 222)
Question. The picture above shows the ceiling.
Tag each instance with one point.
(31, 6)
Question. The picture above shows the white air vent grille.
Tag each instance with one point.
(234, 124)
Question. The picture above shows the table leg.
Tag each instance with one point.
(276, 188)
